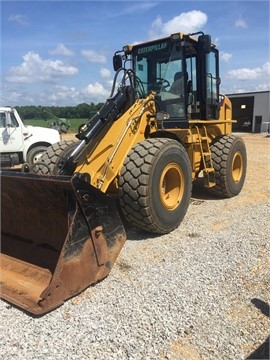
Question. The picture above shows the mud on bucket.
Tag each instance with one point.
(59, 235)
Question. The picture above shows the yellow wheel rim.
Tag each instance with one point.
(237, 167)
(171, 186)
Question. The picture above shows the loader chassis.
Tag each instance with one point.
(164, 125)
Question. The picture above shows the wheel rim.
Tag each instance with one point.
(237, 167)
(171, 187)
(37, 157)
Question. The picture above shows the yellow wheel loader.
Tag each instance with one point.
(164, 125)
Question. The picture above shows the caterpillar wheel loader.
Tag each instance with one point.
(164, 125)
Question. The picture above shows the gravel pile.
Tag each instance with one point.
(200, 292)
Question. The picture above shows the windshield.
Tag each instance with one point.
(157, 65)
(160, 68)
(183, 76)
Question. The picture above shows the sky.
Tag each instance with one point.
(59, 53)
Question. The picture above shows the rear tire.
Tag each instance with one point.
(155, 185)
(48, 163)
(230, 163)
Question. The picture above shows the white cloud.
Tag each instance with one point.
(225, 56)
(62, 95)
(105, 73)
(263, 87)
(133, 8)
(15, 97)
(216, 41)
(251, 74)
(96, 90)
(188, 22)
(94, 56)
(241, 23)
(61, 49)
(110, 83)
(19, 19)
(35, 69)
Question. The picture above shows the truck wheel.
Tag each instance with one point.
(155, 185)
(35, 154)
(230, 162)
(49, 160)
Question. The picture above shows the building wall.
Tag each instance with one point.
(252, 110)
(261, 114)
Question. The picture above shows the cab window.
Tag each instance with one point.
(2, 120)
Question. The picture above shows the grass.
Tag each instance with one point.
(74, 123)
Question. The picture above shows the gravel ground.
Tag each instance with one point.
(200, 292)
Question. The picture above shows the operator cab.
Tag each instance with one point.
(182, 71)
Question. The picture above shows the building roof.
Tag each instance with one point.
(249, 93)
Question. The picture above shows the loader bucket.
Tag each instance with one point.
(59, 235)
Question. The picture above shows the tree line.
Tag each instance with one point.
(81, 111)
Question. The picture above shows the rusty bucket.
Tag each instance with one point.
(59, 235)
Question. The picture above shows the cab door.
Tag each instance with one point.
(208, 80)
(11, 134)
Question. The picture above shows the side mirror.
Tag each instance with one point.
(205, 43)
(117, 62)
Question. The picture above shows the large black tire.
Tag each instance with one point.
(230, 163)
(48, 163)
(155, 185)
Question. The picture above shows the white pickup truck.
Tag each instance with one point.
(19, 143)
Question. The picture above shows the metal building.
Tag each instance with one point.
(252, 111)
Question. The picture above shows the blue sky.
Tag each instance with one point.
(60, 52)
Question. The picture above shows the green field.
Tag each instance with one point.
(74, 123)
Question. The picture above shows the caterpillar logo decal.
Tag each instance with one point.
(151, 48)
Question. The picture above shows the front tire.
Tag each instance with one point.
(49, 161)
(230, 163)
(155, 185)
